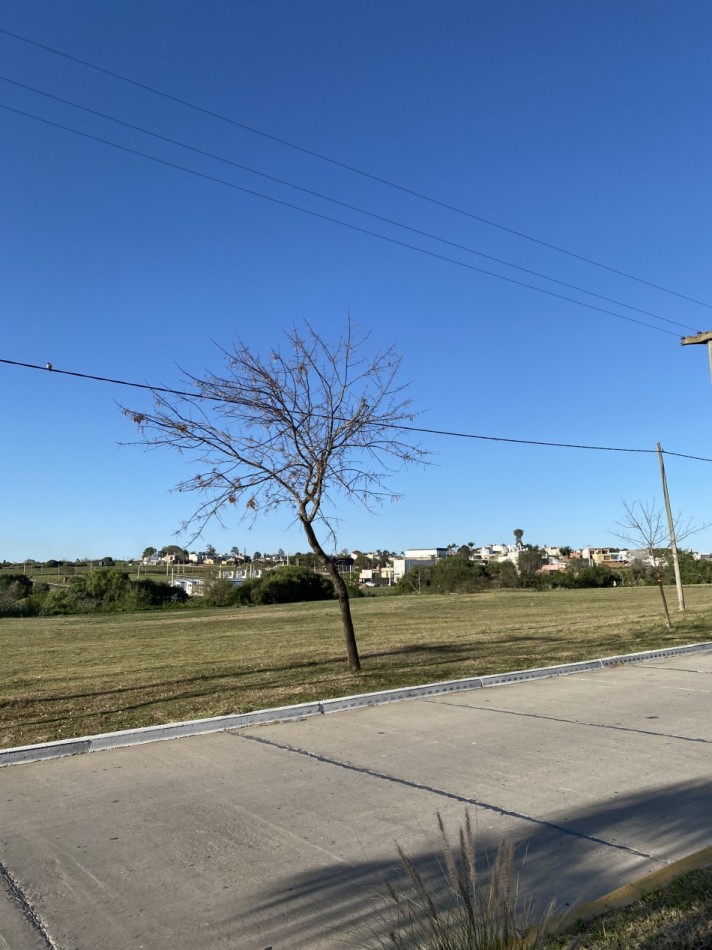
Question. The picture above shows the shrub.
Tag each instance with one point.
(222, 593)
(289, 585)
(18, 597)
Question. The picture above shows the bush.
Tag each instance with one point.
(290, 585)
(106, 591)
(17, 598)
(222, 594)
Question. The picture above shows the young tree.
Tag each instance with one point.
(644, 525)
(313, 421)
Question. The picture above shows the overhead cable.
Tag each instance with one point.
(343, 204)
(48, 367)
(348, 167)
(325, 217)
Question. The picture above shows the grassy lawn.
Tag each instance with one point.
(671, 918)
(70, 676)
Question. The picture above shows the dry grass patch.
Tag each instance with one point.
(70, 676)
(676, 917)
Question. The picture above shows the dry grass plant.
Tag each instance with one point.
(458, 909)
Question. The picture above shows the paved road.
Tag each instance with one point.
(275, 836)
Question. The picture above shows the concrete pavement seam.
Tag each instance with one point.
(443, 793)
(577, 722)
(195, 727)
(28, 911)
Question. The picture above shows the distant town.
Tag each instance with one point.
(464, 567)
(383, 568)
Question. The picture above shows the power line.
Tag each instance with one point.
(340, 203)
(425, 431)
(325, 217)
(350, 168)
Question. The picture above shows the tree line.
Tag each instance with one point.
(99, 591)
(459, 574)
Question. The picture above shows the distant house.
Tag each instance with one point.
(416, 557)
(609, 556)
(490, 553)
(344, 564)
(239, 575)
(426, 554)
(193, 586)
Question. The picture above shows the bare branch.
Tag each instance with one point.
(311, 423)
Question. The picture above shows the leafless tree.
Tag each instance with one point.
(312, 423)
(644, 525)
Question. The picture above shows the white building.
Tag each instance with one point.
(416, 557)
(193, 586)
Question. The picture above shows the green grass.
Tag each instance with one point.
(676, 917)
(69, 676)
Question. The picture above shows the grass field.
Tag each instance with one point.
(675, 917)
(70, 676)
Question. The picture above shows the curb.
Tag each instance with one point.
(196, 727)
(629, 893)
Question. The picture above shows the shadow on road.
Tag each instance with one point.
(339, 906)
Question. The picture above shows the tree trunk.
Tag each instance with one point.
(342, 595)
(665, 606)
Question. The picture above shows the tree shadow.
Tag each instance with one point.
(573, 857)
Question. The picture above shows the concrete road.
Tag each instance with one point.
(276, 836)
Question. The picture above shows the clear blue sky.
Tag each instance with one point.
(585, 125)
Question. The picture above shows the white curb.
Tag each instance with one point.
(196, 727)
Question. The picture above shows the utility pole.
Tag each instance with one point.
(700, 338)
(671, 529)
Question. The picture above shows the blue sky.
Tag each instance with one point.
(585, 126)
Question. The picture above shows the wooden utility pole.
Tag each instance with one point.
(671, 528)
(700, 338)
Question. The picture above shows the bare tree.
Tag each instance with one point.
(644, 525)
(311, 423)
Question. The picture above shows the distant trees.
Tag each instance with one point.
(518, 535)
(458, 574)
(579, 574)
(16, 596)
(530, 560)
(284, 585)
(502, 574)
(100, 591)
(692, 570)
